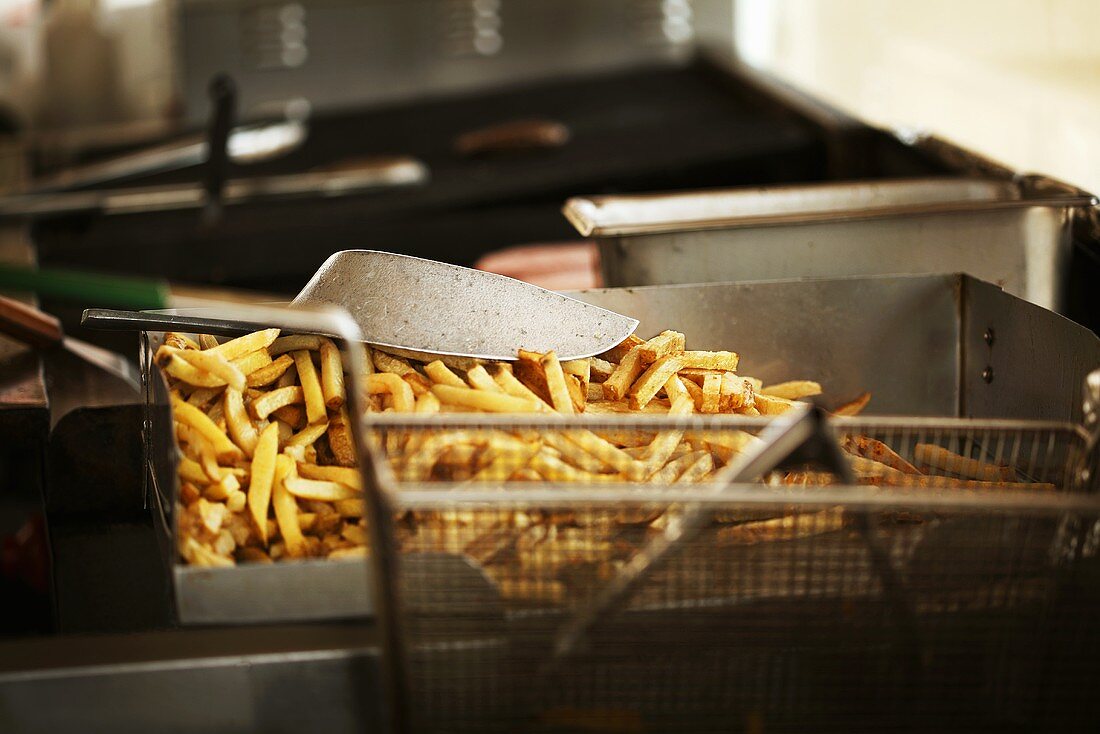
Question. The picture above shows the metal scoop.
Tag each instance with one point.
(426, 306)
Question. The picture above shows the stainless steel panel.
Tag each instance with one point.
(293, 591)
(1019, 360)
(1011, 234)
(895, 337)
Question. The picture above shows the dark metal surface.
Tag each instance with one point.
(656, 128)
(270, 679)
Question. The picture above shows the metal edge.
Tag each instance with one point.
(587, 227)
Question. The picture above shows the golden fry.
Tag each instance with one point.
(286, 508)
(480, 380)
(240, 428)
(938, 457)
(311, 386)
(555, 383)
(332, 375)
(652, 380)
(319, 489)
(263, 475)
(268, 374)
(294, 343)
(191, 416)
(712, 393)
(248, 343)
(441, 374)
(854, 407)
(481, 400)
(264, 405)
(725, 361)
(214, 364)
(390, 383)
(616, 386)
(665, 343)
(793, 390)
(308, 435)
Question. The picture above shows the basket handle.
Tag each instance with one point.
(801, 435)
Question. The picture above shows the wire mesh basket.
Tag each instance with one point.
(933, 573)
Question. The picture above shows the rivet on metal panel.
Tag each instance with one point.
(987, 374)
(989, 336)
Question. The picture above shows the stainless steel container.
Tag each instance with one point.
(1016, 233)
(918, 344)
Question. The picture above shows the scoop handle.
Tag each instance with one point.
(110, 319)
(29, 325)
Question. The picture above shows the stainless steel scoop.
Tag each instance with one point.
(422, 305)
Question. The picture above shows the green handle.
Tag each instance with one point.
(88, 289)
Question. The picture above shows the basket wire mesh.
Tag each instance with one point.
(958, 597)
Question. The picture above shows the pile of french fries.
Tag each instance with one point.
(268, 465)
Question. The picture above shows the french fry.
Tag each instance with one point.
(390, 383)
(441, 374)
(263, 475)
(666, 442)
(460, 364)
(294, 343)
(594, 392)
(242, 345)
(308, 435)
(189, 470)
(725, 361)
(695, 391)
(215, 364)
(481, 400)
(674, 388)
(736, 394)
(208, 341)
(350, 508)
(793, 390)
(340, 438)
(511, 385)
(332, 375)
(771, 405)
(553, 469)
(480, 380)
(426, 403)
(252, 362)
(577, 394)
(528, 370)
(344, 475)
(240, 428)
(671, 471)
(873, 449)
(270, 373)
(579, 368)
(319, 489)
(264, 405)
(179, 341)
(788, 527)
(555, 383)
(697, 375)
(712, 393)
(293, 415)
(204, 395)
(616, 386)
(665, 343)
(184, 371)
(599, 369)
(617, 353)
(853, 407)
(418, 382)
(388, 363)
(697, 470)
(652, 380)
(191, 416)
(311, 386)
(938, 457)
(286, 508)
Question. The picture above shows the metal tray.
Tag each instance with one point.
(916, 343)
(1016, 232)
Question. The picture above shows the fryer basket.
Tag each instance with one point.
(825, 605)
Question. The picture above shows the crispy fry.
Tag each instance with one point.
(418, 382)
(294, 343)
(319, 489)
(252, 361)
(311, 386)
(340, 439)
(286, 508)
(511, 385)
(293, 415)
(666, 442)
(183, 370)
(481, 400)
(332, 374)
(616, 386)
(616, 354)
(263, 475)
(390, 383)
(308, 435)
(460, 364)
(554, 469)
(426, 403)
(264, 405)
(213, 364)
(480, 380)
(189, 415)
(344, 475)
(441, 374)
(870, 448)
(938, 457)
(243, 433)
(725, 361)
(712, 393)
(555, 383)
(770, 405)
(736, 394)
(672, 470)
(528, 370)
(652, 380)
(242, 345)
(270, 373)
(577, 394)
(388, 363)
(204, 395)
(179, 341)
(599, 369)
(696, 393)
(793, 390)
(854, 407)
(579, 368)
(665, 343)
(788, 527)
